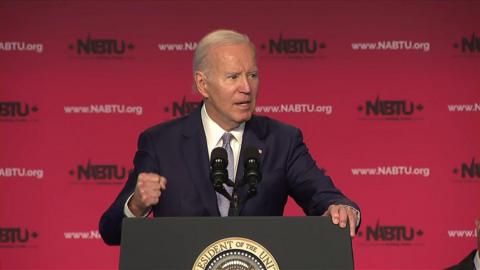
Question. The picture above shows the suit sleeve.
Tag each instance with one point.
(309, 186)
(110, 225)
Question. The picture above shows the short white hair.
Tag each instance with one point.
(213, 39)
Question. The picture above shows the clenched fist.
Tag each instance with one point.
(147, 192)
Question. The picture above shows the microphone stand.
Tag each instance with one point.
(235, 202)
(233, 199)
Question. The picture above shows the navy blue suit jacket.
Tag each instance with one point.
(178, 150)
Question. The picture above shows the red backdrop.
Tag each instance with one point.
(387, 95)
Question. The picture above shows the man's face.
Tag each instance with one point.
(231, 84)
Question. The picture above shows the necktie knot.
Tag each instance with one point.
(226, 138)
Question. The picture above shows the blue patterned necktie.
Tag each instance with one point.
(224, 203)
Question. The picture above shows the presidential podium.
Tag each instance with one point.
(201, 243)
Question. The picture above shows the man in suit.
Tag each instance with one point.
(171, 174)
(472, 261)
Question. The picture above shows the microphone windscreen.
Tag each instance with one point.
(217, 153)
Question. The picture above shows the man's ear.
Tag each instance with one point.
(201, 83)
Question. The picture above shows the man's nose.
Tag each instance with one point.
(245, 87)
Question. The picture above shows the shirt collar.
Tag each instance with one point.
(214, 132)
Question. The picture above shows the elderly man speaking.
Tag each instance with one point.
(171, 175)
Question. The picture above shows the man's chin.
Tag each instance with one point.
(246, 116)
(243, 118)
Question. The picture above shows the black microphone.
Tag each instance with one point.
(252, 173)
(218, 168)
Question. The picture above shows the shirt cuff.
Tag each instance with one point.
(128, 213)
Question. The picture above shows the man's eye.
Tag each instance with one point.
(233, 76)
(253, 75)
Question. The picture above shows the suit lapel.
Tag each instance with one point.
(195, 153)
(253, 136)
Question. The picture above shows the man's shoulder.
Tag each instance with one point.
(169, 127)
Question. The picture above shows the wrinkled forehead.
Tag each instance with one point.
(241, 55)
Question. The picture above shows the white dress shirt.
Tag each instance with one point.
(214, 133)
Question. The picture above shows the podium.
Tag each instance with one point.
(201, 243)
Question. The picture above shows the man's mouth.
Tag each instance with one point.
(245, 104)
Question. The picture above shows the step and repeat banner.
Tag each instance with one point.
(387, 94)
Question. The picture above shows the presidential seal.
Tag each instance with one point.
(235, 253)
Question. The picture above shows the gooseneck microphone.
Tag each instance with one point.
(219, 172)
(218, 165)
(252, 174)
